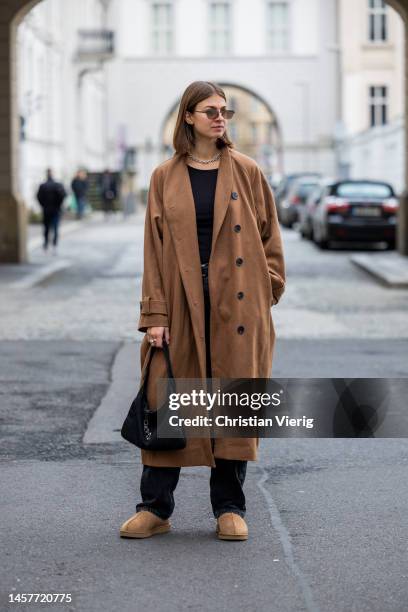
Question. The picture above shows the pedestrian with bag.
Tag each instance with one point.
(80, 186)
(213, 268)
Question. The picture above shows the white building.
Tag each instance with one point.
(281, 51)
(279, 61)
(372, 52)
(61, 91)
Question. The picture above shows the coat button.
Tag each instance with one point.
(239, 261)
(240, 295)
(240, 329)
(237, 228)
(234, 195)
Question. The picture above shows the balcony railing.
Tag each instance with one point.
(95, 45)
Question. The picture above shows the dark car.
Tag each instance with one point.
(357, 210)
(286, 183)
(296, 197)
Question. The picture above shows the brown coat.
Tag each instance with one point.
(172, 291)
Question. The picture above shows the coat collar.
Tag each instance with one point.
(179, 207)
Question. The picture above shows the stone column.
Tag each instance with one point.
(13, 213)
(402, 230)
(13, 217)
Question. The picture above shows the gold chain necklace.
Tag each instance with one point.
(205, 161)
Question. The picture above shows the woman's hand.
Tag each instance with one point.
(157, 334)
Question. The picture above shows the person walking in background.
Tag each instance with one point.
(108, 189)
(79, 188)
(51, 195)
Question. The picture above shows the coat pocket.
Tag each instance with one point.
(268, 283)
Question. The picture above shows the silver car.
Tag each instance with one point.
(296, 198)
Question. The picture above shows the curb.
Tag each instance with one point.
(391, 270)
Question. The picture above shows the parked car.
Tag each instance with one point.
(296, 197)
(306, 212)
(285, 184)
(361, 210)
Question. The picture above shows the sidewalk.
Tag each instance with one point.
(35, 230)
(43, 265)
(390, 268)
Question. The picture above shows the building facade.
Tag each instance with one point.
(280, 52)
(61, 92)
(372, 73)
(315, 84)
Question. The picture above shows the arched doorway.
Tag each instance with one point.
(255, 129)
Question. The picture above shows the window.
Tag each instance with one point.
(255, 105)
(254, 132)
(272, 133)
(377, 21)
(162, 27)
(233, 131)
(220, 27)
(364, 190)
(378, 103)
(277, 24)
(232, 103)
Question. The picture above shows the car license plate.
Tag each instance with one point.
(366, 211)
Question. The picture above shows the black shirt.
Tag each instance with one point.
(203, 184)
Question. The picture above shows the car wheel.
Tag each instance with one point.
(315, 234)
(308, 231)
(323, 244)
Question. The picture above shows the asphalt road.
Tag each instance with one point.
(327, 518)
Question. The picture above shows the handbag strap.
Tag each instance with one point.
(165, 350)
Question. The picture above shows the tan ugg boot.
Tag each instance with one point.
(144, 524)
(231, 526)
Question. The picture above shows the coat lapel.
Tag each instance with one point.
(222, 193)
(179, 207)
(179, 210)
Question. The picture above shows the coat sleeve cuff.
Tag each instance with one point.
(153, 313)
(152, 320)
(150, 306)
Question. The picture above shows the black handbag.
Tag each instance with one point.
(141, 424)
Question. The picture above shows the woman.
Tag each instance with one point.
(213, 267)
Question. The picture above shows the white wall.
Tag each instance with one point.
(366, 64)
(191, 24)
(144, 88)
(378, 154)
(61, 132)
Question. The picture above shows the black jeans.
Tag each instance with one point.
(158, 484)
(157, 487)
(51, 221)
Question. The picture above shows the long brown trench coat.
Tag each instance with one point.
(246, 256)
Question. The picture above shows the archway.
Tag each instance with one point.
(255, 129)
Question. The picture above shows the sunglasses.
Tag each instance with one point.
(212, 113)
